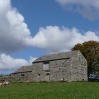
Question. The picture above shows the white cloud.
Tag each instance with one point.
(13, 29)
(55, 39)
(15, 35)
(9, 63)
(31, 59)
(88, 8)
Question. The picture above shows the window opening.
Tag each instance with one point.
(38, 74)
(46, 66)
(22, 75)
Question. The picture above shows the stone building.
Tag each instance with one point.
(22, 74)
(65, 66)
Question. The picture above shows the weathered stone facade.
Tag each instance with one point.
(66, 66)
(21, 75)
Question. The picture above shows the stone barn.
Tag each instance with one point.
(22, 74)
(65, 66)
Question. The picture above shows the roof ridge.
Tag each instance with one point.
(55, 56)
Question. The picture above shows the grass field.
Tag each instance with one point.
(53, 90)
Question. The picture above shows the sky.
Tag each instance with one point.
(32, 28)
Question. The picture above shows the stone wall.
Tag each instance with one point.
(18, 77)
(73, 69)
(69, 69)
(78, 68)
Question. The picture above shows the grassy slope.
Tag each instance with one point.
(53, 90)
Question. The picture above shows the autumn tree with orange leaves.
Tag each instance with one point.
(90, 50)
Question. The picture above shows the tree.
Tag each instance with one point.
(90, 50)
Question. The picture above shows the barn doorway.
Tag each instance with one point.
(46, 69)
(47, 78)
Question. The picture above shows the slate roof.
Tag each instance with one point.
(24, 69)
(58, 56)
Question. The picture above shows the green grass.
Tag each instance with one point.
(53, 90)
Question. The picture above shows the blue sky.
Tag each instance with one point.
(32, 28)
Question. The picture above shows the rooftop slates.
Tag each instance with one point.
(58, 56)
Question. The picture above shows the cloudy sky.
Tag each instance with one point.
(32, 28)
